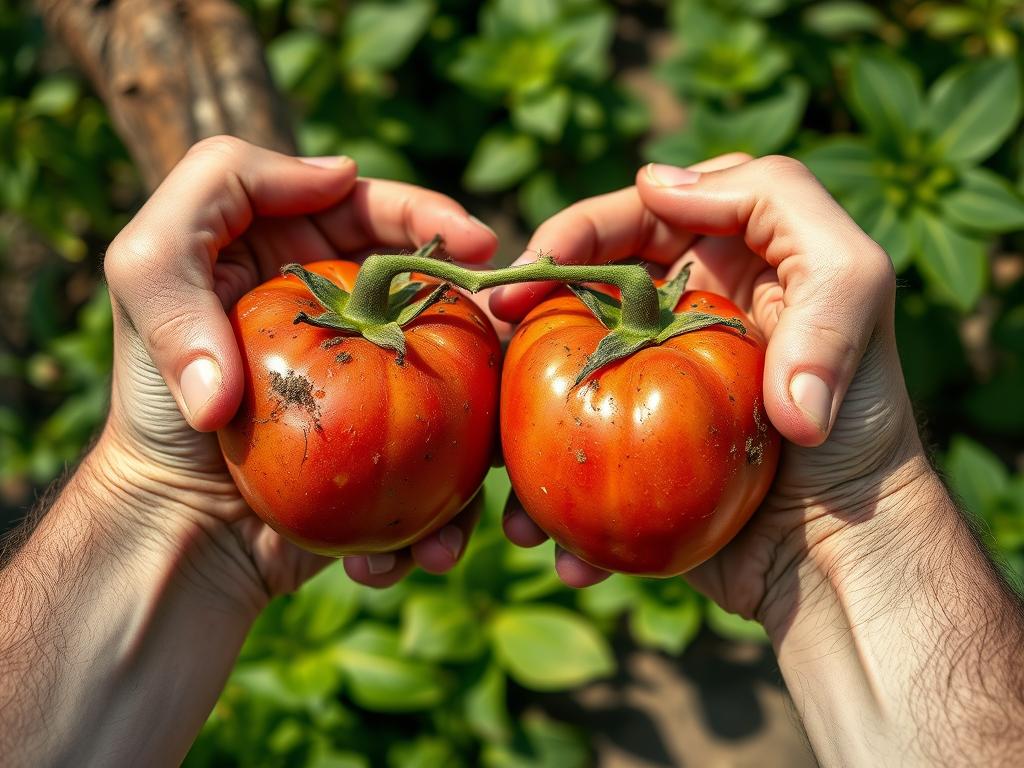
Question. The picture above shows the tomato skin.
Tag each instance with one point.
(653, 464)
(339, 448)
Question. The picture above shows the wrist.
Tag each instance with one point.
(863, 532)
(160, 521)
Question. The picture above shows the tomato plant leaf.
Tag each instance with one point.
(387, 336)
(379, 35)
(954, 265)
(615, 346)
(549, 648)
(440, 627)
(885, 94)
(667, 626)
(542, 112)
(843, 164)
(977, 475)
(984, 202)
(606, 308)
(327, 319)
(883, 222)
(972, 108)
(402, 295)
(500, 159)
(484, 705)
(380, 677)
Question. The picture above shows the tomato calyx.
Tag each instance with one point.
(624, 341)
(386, 332)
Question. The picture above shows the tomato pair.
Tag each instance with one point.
(648, 466)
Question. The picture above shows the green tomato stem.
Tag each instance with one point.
(368, 304)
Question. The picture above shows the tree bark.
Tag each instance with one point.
(172, 72)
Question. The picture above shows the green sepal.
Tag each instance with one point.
(669, 293)
(387, 336)
(402, 295)
(330, 296)
(615, 346)
(685, 322)
(327, 319)
(605, 308)
(410, 312)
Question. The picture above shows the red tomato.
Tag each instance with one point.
(341, 449)
(657, 460)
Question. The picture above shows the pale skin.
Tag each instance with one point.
(898, 640)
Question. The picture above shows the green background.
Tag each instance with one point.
(910, 115)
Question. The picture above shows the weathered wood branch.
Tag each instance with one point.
(172, 72)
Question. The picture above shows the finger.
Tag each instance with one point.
(379, 570)
(518, 527)
(601, 229)
(160, 267)
(390, 213)
(441, 550)
(575, 572)
(837, 284)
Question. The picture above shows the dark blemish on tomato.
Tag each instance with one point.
(294, 389)
(694, 306)
(581, 456)
(428, 457)
(319, 394)
(754, 451)
(594, 385)
(400, 359)
(440, 311)
(394, 522)
(579, 423)
(343, 357)
(331, 342)
(732, 399)
(453, 298)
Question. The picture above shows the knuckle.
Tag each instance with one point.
(227, 148)
(129, 252)
(782, 165)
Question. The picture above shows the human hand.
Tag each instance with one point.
(765, 234)
(226, 219)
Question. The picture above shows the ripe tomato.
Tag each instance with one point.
(654, 462)
(340, 448)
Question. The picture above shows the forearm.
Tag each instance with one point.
(112, 647)
(897, 638)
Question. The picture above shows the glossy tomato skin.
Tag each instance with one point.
(655, 462)
(338, 447)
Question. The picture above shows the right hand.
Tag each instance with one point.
(767, 235)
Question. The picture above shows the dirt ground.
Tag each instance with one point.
(720, 704)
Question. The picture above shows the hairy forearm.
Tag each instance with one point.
(898, 639)
(111, 651)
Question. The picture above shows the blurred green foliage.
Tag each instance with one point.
(909, 113)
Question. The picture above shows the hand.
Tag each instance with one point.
(765, 234)
(226, 219)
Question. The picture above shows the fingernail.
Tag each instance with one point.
(671, 175)
(489, 228)
(199, 382)
(381, 562)
(451, 538)
(812, 396)
(327, 161)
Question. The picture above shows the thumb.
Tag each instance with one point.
(838, 286)
(160, 268)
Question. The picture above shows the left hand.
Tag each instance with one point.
(226, 218)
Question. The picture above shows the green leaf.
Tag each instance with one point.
(954, 265)
(884, 223)
(56, 95)
(733, 627)
(292, 55)
(541, 197)
(670, 293)
(424, 752)
(838, 18)
(885, 94)
(378, 160)
(548, 648)
(667, 626)
(543, 743)
(977, 475)
(380, 35)
(411, 311)
(485, 708)
(984, 201)
(380, 677)
(972, 108)
(610, 597)
(440, 627)
(615, 346)
(500, 159)
(387, 336)
(543, 112)
(688, 322)
(586, 39)
(324, 605)
(843, 164)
